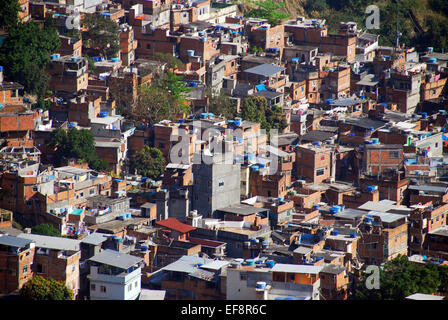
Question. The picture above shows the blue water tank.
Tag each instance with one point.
(237, 122)
(261, 285)
(270, 263)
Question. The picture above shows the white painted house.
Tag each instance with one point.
(115, 276)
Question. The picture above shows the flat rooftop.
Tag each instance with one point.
(55, 243)
(116, 259)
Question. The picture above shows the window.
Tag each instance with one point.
(92, 287)
(103, 289)
(40, 268)
(394, 154)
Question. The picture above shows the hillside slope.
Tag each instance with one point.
(422, 23)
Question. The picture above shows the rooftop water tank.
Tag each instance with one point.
(270, 263)
(261, 285)
(250, 262)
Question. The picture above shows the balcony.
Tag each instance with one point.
(121, 278)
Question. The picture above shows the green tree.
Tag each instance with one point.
(78, 144)
(175, 85)
(25, 53)
(9, 13)
(222, 104)
(39, 288)
(256, 109)
(35, 80)
(46, 230)
(169, 59)
(148, 162)
(155, 104)
(400, 278)
(269, 10)
(101, 35)
(253, 109)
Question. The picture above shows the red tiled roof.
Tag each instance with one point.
(174, 224)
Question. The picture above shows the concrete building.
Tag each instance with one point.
(272, 281)
(57, 258)
(16, 259)
(216, 185)
(114, 276)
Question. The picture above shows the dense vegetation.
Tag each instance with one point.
(101, 36)
(78, 144)
(39, 288)
(422, 23)
(25, 54)
(400, 278)
(256, 109)
(148, 162)
(45, 230)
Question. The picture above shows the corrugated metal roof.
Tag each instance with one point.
(14, 241)
(265, 70)
(116, 259)
(57, 243)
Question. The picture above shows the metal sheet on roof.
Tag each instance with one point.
(57, 243)
(116, 259)
(265, 70)
(12, 241)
